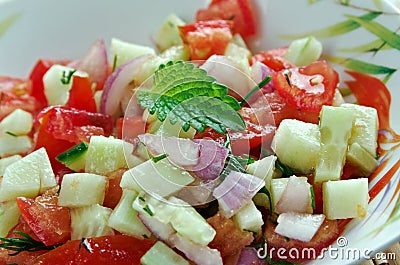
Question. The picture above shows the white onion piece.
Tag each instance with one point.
(249, 256)
(117, 82)
(160, 230)
(180, 151)
(296, 197)
(235, 191)
(94, 62)
(211, 160)
(201, 255)
(259, 72)
(226, 72)
(300, 226)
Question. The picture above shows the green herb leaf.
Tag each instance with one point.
(283, 168)
(148, 210)
(24, 243)
(83, 243)
(114, 63)
(186, 94)
(158, 158)
(66, 77)
(385, 34)
(312, 197)
(11, 133)
(336, 29)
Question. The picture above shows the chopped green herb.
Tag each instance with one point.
(66, 76)
(83, 243)
(25, 243)
(286, 238)
(11, 133)
(142, 199)
(115, 63)
(148, 210)
(286, 73)
(145, 236)
(283, 168)
(378, 155)
(159, 157)
(254, 90)
(312, 197)
(187, 95)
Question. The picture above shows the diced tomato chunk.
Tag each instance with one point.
(50, 223)
(239, 11)
(81, 94)
(130, 127)
(274, 59)
(113, 191)
(308, 88)
(206, 38)
(118, 249)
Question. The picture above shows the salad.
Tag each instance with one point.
(197, 151)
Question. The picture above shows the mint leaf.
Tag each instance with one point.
(187, 95)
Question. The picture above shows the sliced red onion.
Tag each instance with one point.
(180, 151)
(211, 160)
(300, 226)
(259, 72)
(201, 255)
(226, 72)
(94, 62)
(296, 197)
(118, 81)
(162, 231)
(235, 191)
(248, 256)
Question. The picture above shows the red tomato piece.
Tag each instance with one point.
(308, 88)
(274, 59)
(239, 11)
(81, 95)
(50, 223)
(131, 127)
(15, 93)
(114, 190)
(325, 236)
(118, 249)
(206, 38)
(36, 77)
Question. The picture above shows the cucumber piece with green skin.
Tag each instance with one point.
(161, 254)
(168, 34)
(304, 51)
(335, 127)
(249, 218)
(123, 51)
(75, 157)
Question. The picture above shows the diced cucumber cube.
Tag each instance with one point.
(263, 169)
(167, 129)
(106, 154)
(82, 189)
(304, 51)
(157, 178)
(9, 215)
(90, 221)
(12, 145)
(27, 177)
(249, 218)
(297, 144)
(262, 199)
(125, 219)
(57, 83)
(161, 254)
(240, 55)
(365, 127)
(345, 198)
(6, 161)
(124, 51)
(358, 156)
(335, 128)
(190, 224)
(168, 34)
(75, 157)
(18, 122)
(97, 98)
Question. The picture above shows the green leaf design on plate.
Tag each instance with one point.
(310, 2)
(363, 67)
(374, 46)
(385, 34)
(8, 22)
(336, 29)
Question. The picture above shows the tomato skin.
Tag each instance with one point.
(36, 77)
(114, 191)
(130, 127)
(50, 223)
(81, 95)
(118, 249)
(15, 93)
(274, 59)
(295, 84)
(240, 11)
(206, 38)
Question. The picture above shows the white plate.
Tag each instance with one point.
(53, 29)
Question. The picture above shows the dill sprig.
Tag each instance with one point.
(25, 243)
